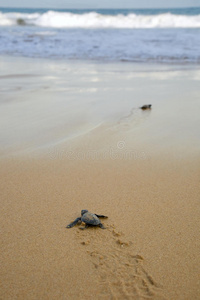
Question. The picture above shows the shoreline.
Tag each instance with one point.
(150, 64)
(58, 102)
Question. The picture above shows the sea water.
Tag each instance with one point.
(146, 35)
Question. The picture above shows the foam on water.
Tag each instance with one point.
(162, 36)
(95, 20)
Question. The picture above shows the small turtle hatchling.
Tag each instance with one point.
(89, 219)
(146, 106)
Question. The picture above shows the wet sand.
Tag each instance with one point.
(138, 169)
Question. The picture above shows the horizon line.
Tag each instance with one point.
(101, 7)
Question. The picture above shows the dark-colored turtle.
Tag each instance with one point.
(89, 219)
(146, 106)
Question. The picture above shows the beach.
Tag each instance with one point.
(73, 137)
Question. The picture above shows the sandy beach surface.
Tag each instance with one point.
(72, 138)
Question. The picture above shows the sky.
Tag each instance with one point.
(99, 3)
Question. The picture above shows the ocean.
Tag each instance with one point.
(145, 35)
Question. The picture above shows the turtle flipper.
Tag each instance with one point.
(73, 223)
(86, 226)
(101, 226)
(101, 216)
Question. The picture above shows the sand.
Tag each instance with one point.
(149, 249)
(135, 168)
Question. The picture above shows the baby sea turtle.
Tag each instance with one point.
(89, 219)
(146, 106)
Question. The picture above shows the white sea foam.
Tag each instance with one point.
(5, 20)
(55, 19)
(93, 36)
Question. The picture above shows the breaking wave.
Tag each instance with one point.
(55, 19)
(171, 37)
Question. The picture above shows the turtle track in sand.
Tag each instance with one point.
(120, 271)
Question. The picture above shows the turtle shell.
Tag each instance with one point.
(91, 219)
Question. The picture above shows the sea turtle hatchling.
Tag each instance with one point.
(89, 219)
(146, 106)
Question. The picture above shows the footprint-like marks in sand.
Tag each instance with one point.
(135, 117)
(120, 271)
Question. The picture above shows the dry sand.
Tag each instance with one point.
(150, 249)
(136, 170)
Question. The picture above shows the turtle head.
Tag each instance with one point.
(83, 211)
